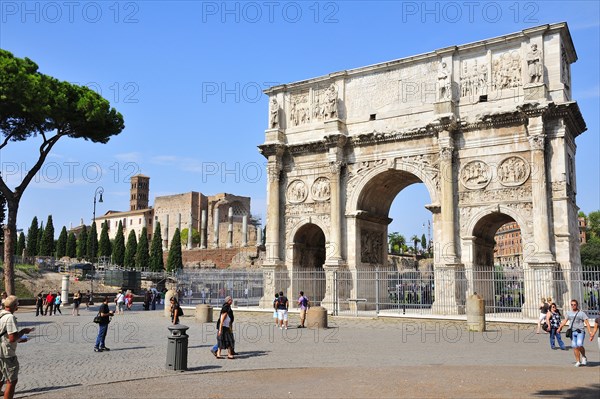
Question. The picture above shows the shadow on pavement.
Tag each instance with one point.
(200, 346)
(203, 368)
(45, 389)
(129, 348)
(249, 354)
(583, 392)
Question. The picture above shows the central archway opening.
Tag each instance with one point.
(395, 256)
(497, 263)
(308, 259)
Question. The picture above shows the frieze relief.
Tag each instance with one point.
(291, 222)
(317, 104)
(473, 78)
(355, 172)
(565, 75)
(296, 191)
(428, 163)
(305, 209)
(506, 71)
(475, 175)
(371, 246)
(513, 171)
(499, 195)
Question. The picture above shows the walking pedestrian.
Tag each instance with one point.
(11, 336)
(105, 315)
(578, 320)
(176, 310)
(282, 310)
(303, 303)
(49, 306)
(595, 330)
(215, 348)
(76, 303)
(275, 315)
(57, 302)
(543, 314)
(553, 319)
(119, 301)
(39, 304)
(225, 333)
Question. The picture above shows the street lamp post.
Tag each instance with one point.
(98, 193)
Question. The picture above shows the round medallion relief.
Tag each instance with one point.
(296, 191)
(320, 190)
(513, 171)
(475, 175)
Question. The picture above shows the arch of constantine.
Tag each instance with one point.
(488, 127)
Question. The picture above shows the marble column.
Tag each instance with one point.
(335, 240)
(259, 235)
(273, 216)
(216, 227)
(539, 191)
(203, 230)
(166, 234)
(230, 228)
(190, 231)
(244, 231)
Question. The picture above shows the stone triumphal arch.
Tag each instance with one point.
(489, 128)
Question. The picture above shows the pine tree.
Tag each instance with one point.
(61, 245)
(423, 242)
(141, 256)
(20, 245)
(2, 218)
(175, 259)
(118, 248)
(82, 243)
(130, 250)
(32, 237)
(104, 245)
(72, 245)
(92, 243)
(157, 263)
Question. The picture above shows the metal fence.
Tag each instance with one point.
(391, 292)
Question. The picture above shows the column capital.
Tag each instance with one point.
(274, 171)
(446, 153)
(537, 141)
(335, 167)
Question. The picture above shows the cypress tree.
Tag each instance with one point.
(71, 245)
(141, 256)
(118, 249)
(82, 243)
(61, 245)
(157, 263)
(130, 251)
(47, 243)
(20, 245)
(104, 245)
(175, 259)
(40, 236)
(32, 237)
(92, 243)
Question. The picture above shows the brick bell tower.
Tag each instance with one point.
(140, 191)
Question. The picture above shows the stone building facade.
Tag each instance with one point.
(222, 220)
(488, 127)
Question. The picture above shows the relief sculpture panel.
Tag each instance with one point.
(371, 244)
(475, 175)
(296, 191)
(321, 190)
(513, 171)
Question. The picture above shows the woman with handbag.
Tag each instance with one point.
(578, 319)
(553, 321)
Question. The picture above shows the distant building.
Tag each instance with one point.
(582, 229)
(182, 211)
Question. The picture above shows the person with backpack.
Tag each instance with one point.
(303, 304)
(176, 310)
(119, 301)
(282, 310)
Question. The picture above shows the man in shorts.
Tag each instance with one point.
(578, 320)
(282, 310)
(303, 304)
(10, 336)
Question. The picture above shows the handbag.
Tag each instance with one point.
(98, 318)
(569, 333)
(545, 327)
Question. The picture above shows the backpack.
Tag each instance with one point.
(180, 311)
(305, 302)
(281, 302)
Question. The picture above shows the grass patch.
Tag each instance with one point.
(29, 269)
(20, 290)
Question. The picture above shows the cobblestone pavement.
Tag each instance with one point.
(352, 358)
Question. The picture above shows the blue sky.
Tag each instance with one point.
(187, 77)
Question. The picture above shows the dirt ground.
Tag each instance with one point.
(44, 281)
